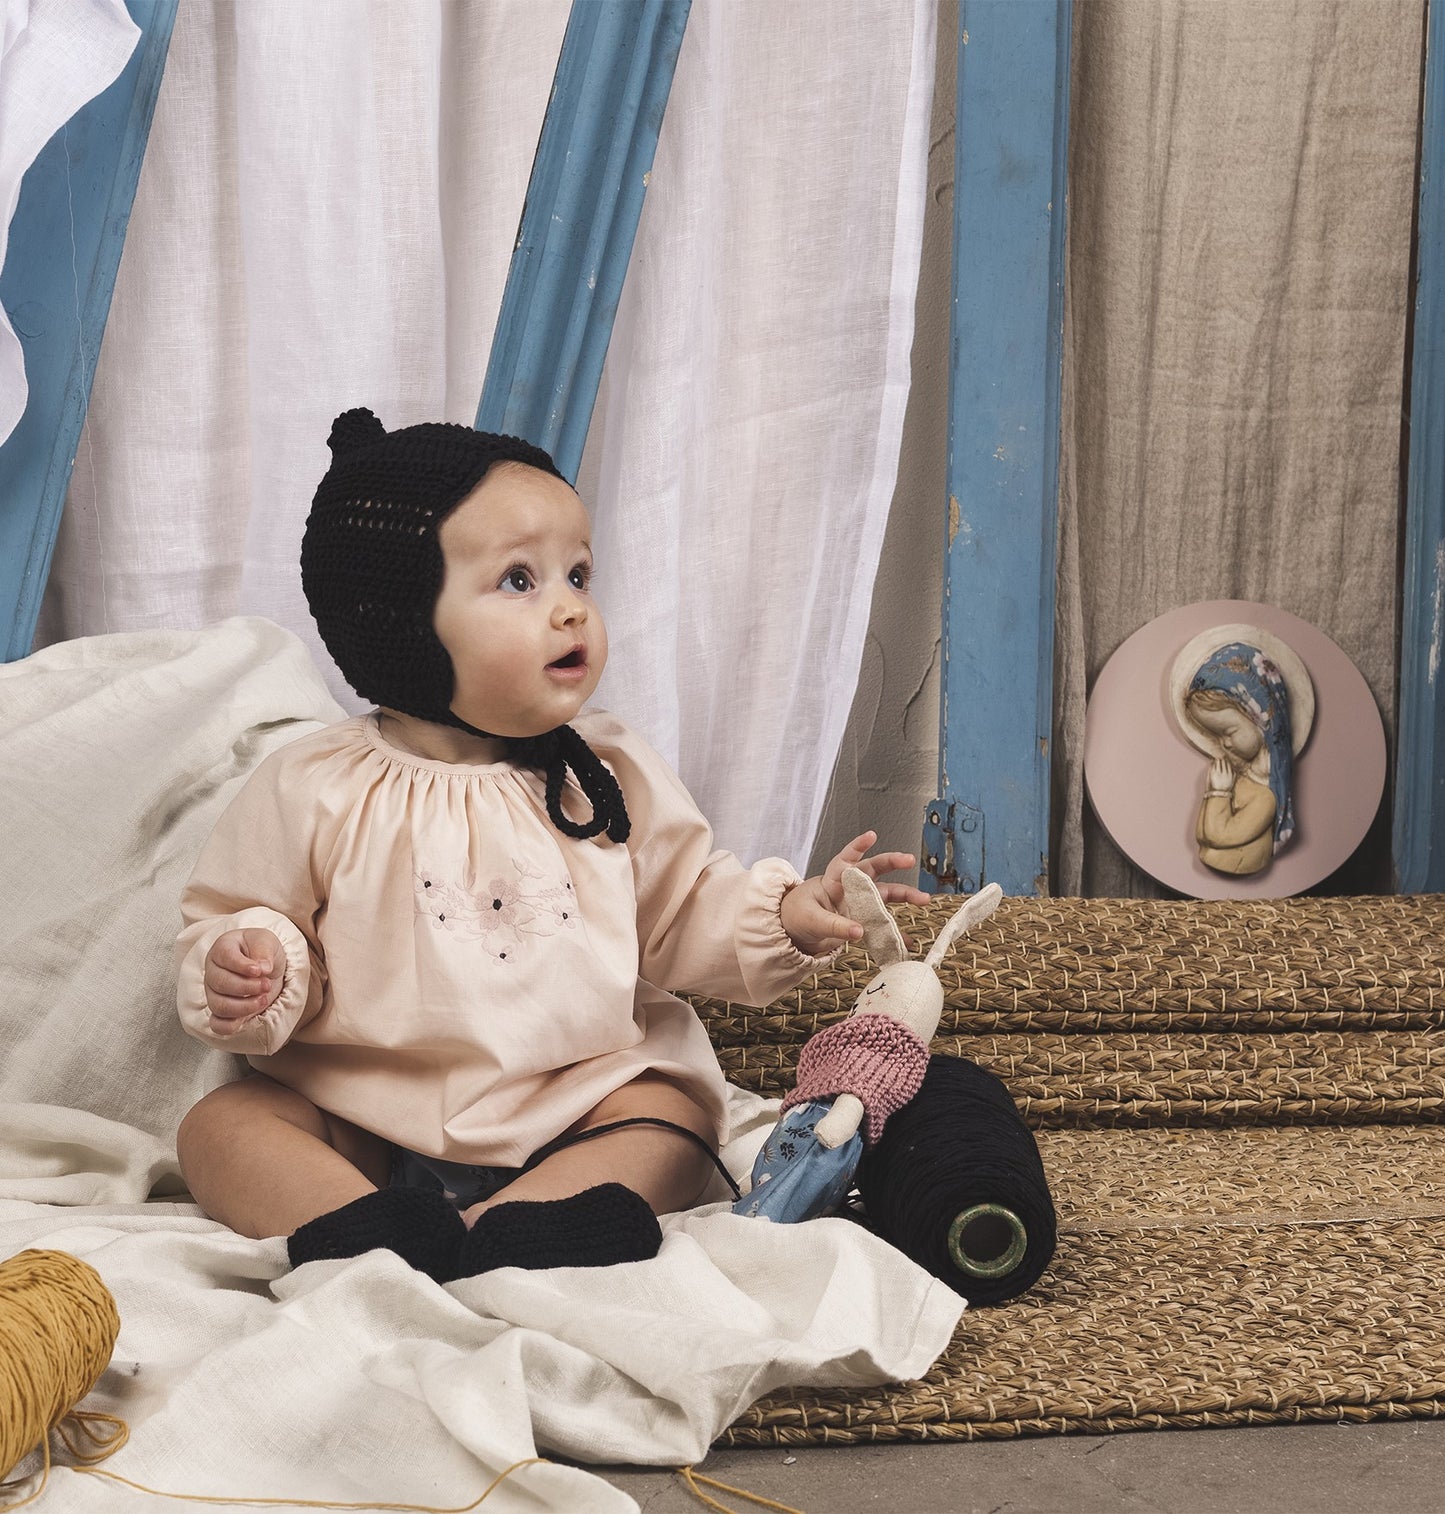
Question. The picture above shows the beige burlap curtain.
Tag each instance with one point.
(1242, 180)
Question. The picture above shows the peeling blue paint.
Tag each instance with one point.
(1010, 157)
(64, 249)
(1419, 797)
(584, 200)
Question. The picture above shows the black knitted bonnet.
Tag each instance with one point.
(372, 567)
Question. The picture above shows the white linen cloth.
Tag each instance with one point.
(54, 56)
(363, 1379)
(117, 756)
(325, 218)
(344, 1380)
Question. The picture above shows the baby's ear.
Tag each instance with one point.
(863, 903)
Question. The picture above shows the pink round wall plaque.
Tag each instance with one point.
(1145, 778)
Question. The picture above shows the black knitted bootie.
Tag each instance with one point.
(595, 1228)
(420, 1225)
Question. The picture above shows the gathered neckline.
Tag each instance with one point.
(371, 729)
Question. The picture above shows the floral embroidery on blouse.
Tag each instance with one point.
(502, 914)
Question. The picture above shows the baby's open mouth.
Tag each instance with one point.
(576, 658)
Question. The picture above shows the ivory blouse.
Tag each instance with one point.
(461, 978)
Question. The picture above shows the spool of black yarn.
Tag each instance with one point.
(957, 1184)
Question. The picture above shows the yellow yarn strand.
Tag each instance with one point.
(58, 1325)
(310, 1503)
(692, 1479)
(105, 1445)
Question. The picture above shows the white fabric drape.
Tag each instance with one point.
(54, 56)
(749, 457)
(325, 218)
(290, 253)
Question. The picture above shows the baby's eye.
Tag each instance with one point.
(517, 580)
(580, 576)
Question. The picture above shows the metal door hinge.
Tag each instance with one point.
(952, 860)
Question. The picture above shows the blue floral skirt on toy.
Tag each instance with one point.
(796, 1177)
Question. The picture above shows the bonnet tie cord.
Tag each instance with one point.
(575, 1137)
(556, 751)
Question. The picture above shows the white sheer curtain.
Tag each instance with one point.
(325, 218)
(754, 408)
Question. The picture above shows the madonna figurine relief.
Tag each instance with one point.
(1244, 699)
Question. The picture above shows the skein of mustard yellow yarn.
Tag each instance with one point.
(58, 1326)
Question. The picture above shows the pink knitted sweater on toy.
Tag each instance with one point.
(877, 1059)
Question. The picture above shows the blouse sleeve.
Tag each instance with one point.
(1221, 823)
(705, 923)
(259, 867)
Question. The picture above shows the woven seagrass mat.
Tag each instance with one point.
(1241, 1110)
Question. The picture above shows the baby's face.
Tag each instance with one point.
(515, 612)
(1238, 736)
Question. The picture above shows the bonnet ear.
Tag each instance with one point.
(352, 429)
(964, 918)
(863, 903)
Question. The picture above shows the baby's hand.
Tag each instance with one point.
(244, 970)
(812, 910)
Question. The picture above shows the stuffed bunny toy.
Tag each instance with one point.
(854, 1074)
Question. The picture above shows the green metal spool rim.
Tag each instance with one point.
(992, 1266)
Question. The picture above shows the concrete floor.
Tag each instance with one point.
(1297, 1469)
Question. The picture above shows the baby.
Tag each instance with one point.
(447, 934)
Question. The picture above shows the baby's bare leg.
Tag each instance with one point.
(670, 1171)
(262, 1159)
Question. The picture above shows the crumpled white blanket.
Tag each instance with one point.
(364, 1380)
(341, 1381)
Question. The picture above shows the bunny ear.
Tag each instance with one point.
(863, 903)
(965, 917)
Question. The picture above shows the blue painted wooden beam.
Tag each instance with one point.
(584, 200)
(1419, 814)
(65, 245)
(990, 821)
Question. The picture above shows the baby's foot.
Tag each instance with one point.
(596, 1228)
(421, 1225)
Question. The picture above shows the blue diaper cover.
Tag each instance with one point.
(460, 1182)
